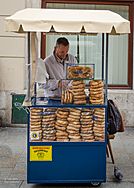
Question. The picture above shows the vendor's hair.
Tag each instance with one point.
(62, 40)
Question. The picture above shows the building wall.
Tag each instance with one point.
(13, 50)
(12, 57)
(124, 99)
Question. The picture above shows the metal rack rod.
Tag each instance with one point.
(102, 56)
(106, 69)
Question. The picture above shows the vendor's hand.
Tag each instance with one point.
(60, 84)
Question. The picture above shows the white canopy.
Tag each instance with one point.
(67, 21)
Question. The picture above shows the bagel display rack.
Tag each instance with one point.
(67, 137)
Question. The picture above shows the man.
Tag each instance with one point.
(56, 66)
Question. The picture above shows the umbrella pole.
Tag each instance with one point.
(28, 70)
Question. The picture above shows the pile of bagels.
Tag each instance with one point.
(77, 71)
(78, 90)
(61, 124)
(72, 124)
(48, 124)
(86, 121)
(99, 124)
(96, 94)
(67, 124)
(36, 124)
(75, 93)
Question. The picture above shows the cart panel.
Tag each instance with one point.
(71, 163)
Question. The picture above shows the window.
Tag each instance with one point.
(88, 48)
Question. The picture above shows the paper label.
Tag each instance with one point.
(40, 153)
(34, 135)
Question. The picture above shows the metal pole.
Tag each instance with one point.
(78, 55)
(28, 69)
(35, 92)
(102, 56)
(106, 73)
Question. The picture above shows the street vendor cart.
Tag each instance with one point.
(66, 140)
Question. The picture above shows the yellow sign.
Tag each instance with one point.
(40, 153)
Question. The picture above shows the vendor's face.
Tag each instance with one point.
(61, 51)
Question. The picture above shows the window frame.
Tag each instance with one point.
(130, 4)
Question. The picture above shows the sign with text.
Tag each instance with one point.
(40, 153)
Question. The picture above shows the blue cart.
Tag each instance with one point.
(69, 162)
(66, 162)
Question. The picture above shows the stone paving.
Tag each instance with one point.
(13, 160)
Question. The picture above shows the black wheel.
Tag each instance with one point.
(95, 184)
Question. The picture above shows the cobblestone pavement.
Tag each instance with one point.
(13, 160)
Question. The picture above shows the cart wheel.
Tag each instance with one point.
(95, 184)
